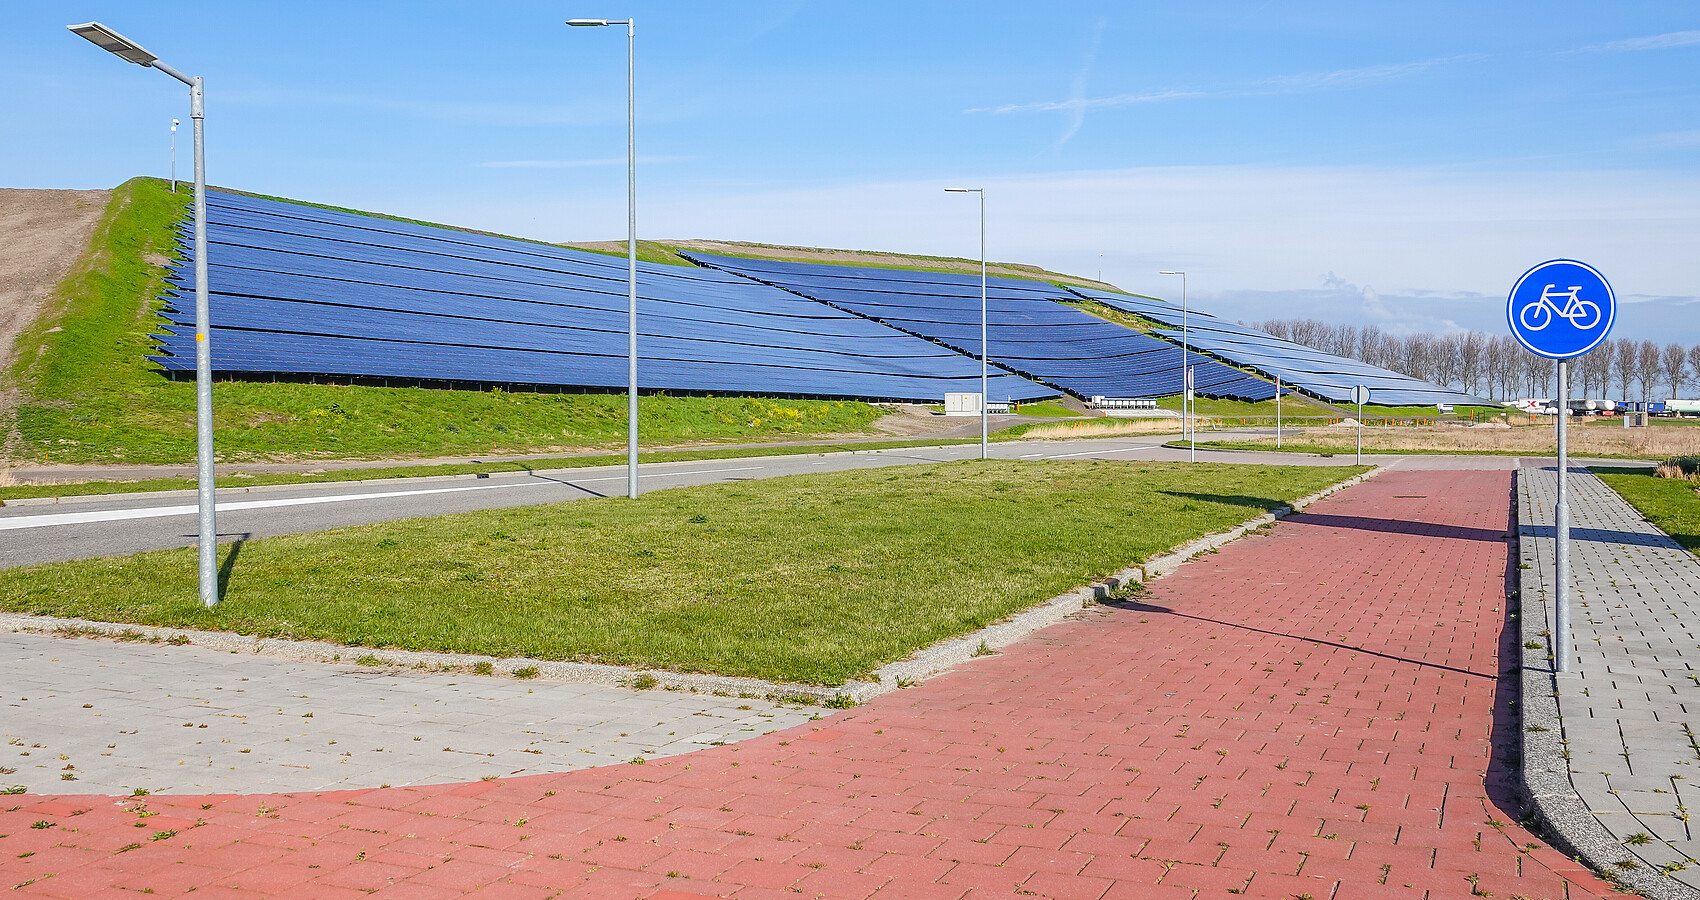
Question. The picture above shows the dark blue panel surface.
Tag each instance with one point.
(308, 291)
(1028, 332)
(1320, 374)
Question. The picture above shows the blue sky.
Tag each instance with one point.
(1389, 163)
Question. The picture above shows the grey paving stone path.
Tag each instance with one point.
(1630, 707)
(86, 715)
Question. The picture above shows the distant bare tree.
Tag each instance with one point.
(1501, 366)
(1307, 332)
(1623, 364)
(1443, 352)
(1538, 371)
(1676, 367)
(1649, 365)
(1694, 364)
(1471, 346)
(1413, 353)
(1595, 369)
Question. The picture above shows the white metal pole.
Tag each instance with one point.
(173, 156)
(1191, 416)
(1360, 459)
(1277, 412)
(631, 262)
(984, 397)
(1561, 529)
(124, 48)
(203, 364)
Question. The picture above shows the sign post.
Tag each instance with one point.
(1187, 403)
(1360, 396)
(1561, 309)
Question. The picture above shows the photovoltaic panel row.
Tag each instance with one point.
(1027, 330)
(1313, 371)
(308, 291)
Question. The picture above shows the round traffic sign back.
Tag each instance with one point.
(1561, 308)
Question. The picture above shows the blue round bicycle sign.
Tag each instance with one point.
(1561, 308)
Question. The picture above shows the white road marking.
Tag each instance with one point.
(1096, 452)
(154, 512)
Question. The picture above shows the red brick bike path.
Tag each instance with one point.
(1313, 711)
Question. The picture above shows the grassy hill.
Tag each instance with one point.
(88, 395)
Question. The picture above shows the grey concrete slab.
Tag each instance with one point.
(99, 716)
(1614, 782)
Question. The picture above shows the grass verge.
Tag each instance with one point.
(247, 479)
(1673, 504)
(1601, 443)
(808, 578)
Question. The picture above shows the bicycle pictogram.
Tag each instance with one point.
(1584, 314)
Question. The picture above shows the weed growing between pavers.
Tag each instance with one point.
(813, 578)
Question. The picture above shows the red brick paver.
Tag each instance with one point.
(1313, 711)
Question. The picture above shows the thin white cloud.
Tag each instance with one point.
(1652, 42)
(1303, 82)
(1077, 118)
(577, 163)
(1092, 102)
(1312, 81)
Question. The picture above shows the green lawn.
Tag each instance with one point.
(1670, 503)
(1046, 408)
(812, 578)
(90, 396)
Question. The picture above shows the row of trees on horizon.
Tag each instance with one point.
(1496, 366)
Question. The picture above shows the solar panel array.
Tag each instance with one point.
(1027, 330)
(309, 291)
(1317, 373)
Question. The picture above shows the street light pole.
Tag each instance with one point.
(1190, 428)
(173, 156)
(983, 398)
(113, 42)
(631, 244)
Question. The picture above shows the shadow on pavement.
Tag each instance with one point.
(1399, 526)
(1136, 606)
(1504, 779)
(1606, 535)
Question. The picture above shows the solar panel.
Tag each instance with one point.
(1028, 332)
(1320, 374)
(308, 291)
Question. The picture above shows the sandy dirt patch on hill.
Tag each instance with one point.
(42, 234)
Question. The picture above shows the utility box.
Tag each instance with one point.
(968, 404)
(962, 404)
(1636, 419)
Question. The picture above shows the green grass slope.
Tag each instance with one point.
(90, 396)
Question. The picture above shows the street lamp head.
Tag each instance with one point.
(964, 190)
(113, 42)
(587, 23)
(1171, 273)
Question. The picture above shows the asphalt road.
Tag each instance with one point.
(85, 527)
